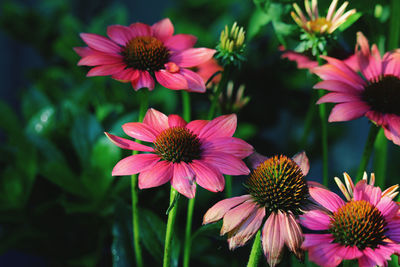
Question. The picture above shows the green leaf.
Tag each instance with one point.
(43, 122)
(350, 21)
(257, 20)
(9, 122)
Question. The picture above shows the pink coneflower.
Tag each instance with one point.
(278, 192)
(376, 94)
(139, 53)
(365, 227)
(186, 154)
(208, 69)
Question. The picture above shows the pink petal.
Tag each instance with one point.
(338, 86)
(196, 126)
(156, 120)
(325, 254)
(194, 81)
(338, 98)
(183, 179)
(207, 176)
(127, 75)
(140, 131)
(364, 191)
(311, 240)
(226, 163)
(348, 252)
(315, 220)
(326, 198)
(120, 34)
(174, 81)
(387, 207)
(105, 70)
(302, 61)
(144, 81)
(176, 121)
(100, 58)
(256, 159)
(292, 234)
(391, 64)
(348, 111)
(216, 212)
(140, 29)
(128, 144)
(330, 72)
(393, 230)
(163, 29)
(222, 126)
(392, 130)
(302, 161)
(83, 51)
(344, 68)
(180, 42)
(100, 43)
(230, 145)
(273, 238)
(158, 175)
(135, 164)
(234, 217)
(192, 57)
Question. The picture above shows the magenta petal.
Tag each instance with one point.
(222, 126)
(158, 175)
(230, 145)
(364, 191)
(326, 198)
(216, 212)
(196, 126)
(325, 254)
(273, 239)
(195, 82)
(338, 98)
(139, 131)
(315, 220)
(225, 163)
(330, 72)
(311, 240)
(100, 43)
(176, 121)
(192, 57)
(144, 81)
(391, 64)
(135, 164)
(207, 176)
(156, 120)
(302, 61)
(348, 111)
(106, 70)
(140, 29)
(338, 86)
(387, 207)
(120, 34)
(234, 217)
(302, 161)
(127, 75)
(183, 179)
(99, 58)
(180, 42)
(174, 81)
(128, 144)
(293, 234)
(163, 29)
(349, 253)
(83, 51)
(344, 68)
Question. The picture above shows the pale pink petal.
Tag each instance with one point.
(105, 70)
(100, 43)
(326, 198)
(315, 220)
(256, 159)
(216, 212)
(194, 81)
(158, 175)
(192, 57)
(311, 240)
(196, 126)
(174, 81)
(83, 51)
(140, 131)
(292, 234)
(325, 254)
(180, 42)
(207, 176)
(331, 10)
(183, 179)
(120, 34)
(127, 75)
(140, 29)
(156, 120)
(135, 164)
(226, 163)
(273, 239)
(230, 145)
(339, 98)
(302, 161)
(348, 252)
(144, 81)
(234, 217)
(163, 29)
(364, 191)
(222, 126)
(128, 144)
(348, 111)
(99, 58)
(338, 86)
(176, 121)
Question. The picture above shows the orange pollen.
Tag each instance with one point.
(319, 25)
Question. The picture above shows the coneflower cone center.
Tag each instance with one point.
(145, 53)
(319, 24)
(177, 144)
(383, 95)
(358, 223)
(278, 184)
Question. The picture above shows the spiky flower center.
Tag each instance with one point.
(178, 144)
(145, 53)
(383, 95)
(278, 184)
(358, 223)
(318, 25)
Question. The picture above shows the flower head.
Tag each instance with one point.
(209, 68)
(278, 192)
(366, 227)
(231, 46)
(139, 53)
(375, 94)
(186, 154)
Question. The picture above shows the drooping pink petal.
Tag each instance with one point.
(338, 98)
(83, 51)
(156, 120)
(163, 29)
(99, 58)
(158, 175)
(216, 212)
(302, 61)
(366, 261)
(140, 131)
(183, 179)
(135, 164)
(222, 126)
(144, 81)
(311, 240)
(326, 198)
(349, 252)
(234, 217)
(176, 121)
(230, 145)
(391, 64)
(273, 239)
(120, 34)
(128, 144)
(393, 128)
(140, 29)
(196, 126)
(325, 254)
(315, 220)
(127, 75)
(302, 161)
(393, 230)
(226, 163)
(174, 81)
(256, 159)
(338, 86)
(292, 234)
(207, 176)
(348, 111)
(192, 57)
(105, 70)
(100, 43)
(194, 81)
(180, 42)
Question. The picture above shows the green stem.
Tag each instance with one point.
(228, 185)
(170, 228)
(186, 106)
(144, 103)
(394, 30)
(221, 86)
(309, 119)
(373, 132)
(188, 233)
(380, 158)
(255, 251)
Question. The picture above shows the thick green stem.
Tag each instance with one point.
(367, 151)
(221, 86)
(308, 124)
(188, 233)
(380, 158)
(144, 103)
(394, 30)
(170, 227)
(255, 251)
(228, 186)
(186, 106)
